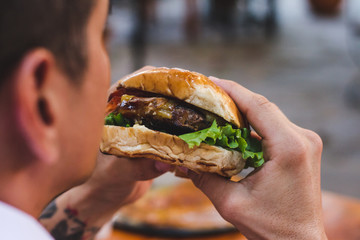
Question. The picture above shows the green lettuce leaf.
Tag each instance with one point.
(117, 120)
(229, 138)
(208, 135)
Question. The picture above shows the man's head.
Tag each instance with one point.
(57, 25)
(54, 73)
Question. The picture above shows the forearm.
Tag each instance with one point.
(276, 230)
(77, 214)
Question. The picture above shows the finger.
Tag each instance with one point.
(264, 116)
(221, 191)
(139, 190)
(146, 169)
(132, 169)
(163, 167)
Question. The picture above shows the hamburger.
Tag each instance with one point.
(181, 118)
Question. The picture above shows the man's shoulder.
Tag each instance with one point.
(15, 224)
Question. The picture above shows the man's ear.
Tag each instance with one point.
(34, 104)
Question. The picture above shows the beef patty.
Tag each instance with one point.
(160, 113)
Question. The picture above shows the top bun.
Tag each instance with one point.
(191, 87)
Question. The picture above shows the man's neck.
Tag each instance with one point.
(20, 191)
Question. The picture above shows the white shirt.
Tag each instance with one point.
(17, 225)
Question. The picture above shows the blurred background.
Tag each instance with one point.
(304, 55)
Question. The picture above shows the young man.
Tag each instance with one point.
(54, 74)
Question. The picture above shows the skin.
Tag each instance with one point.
(285, 192)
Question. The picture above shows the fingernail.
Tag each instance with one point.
(162, 167)
(212, 78)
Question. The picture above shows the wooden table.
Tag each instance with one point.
(341, 217)
(119, 235)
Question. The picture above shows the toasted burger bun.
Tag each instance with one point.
(191, 87)
(195, 89)
(139, 141)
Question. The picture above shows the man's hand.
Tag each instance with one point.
(119, 181)
(282, 200)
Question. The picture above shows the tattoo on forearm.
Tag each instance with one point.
(70, 228)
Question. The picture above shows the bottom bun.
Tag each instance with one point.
(139, 141)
